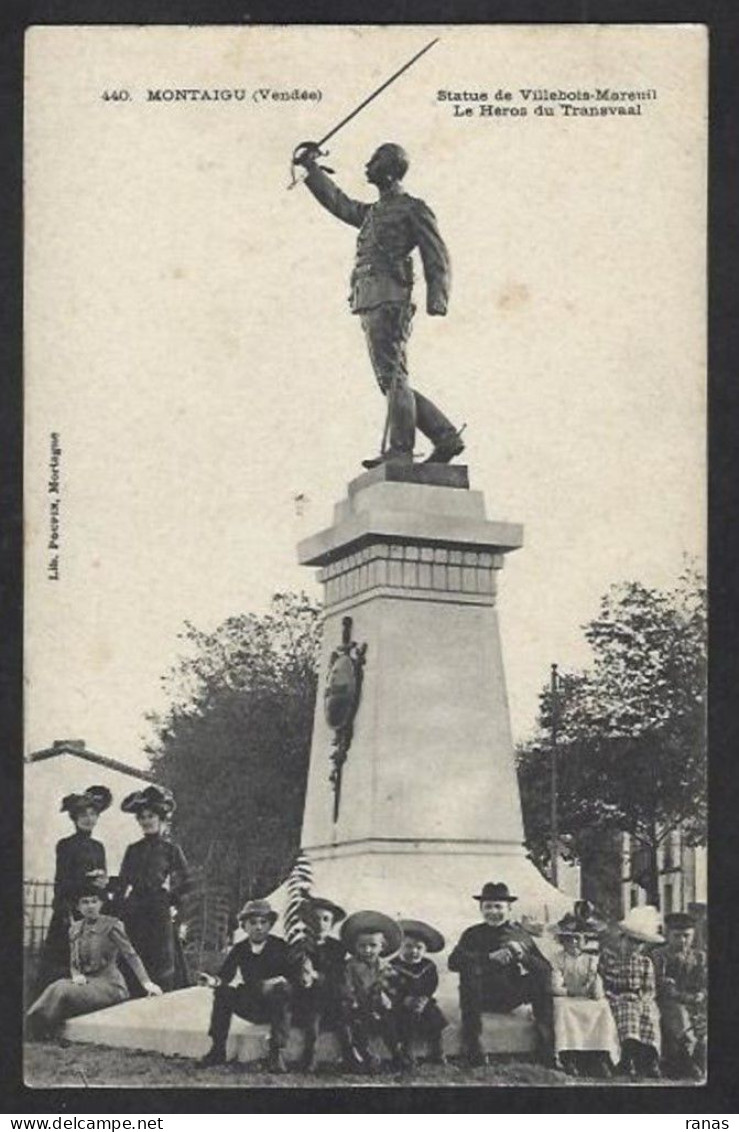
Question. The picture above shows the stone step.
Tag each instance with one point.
(177, 1025)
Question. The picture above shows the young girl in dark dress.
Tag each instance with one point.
(153, 877)
(77, 858)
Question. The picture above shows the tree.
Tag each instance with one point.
(235, 742)
(632, 739)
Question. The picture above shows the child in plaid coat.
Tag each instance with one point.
(630, 986)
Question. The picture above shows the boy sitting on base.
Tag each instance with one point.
(317, 981)
(682, 978)
(416, 979)
(367, 988)
(500, 967)
(263, 961)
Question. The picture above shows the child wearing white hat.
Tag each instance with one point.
(630, 985)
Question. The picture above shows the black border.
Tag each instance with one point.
(721, 1094)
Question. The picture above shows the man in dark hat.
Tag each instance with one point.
(381, 290)
(263, 961)
(682, 978)
(500, 967)
(316, 995)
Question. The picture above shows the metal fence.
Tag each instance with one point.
(205, 913)
(37, 900)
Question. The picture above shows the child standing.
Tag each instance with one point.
(416, 979)
(585, 1033)
(629, 981)
(367, 988)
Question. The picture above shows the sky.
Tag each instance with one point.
(188, 336)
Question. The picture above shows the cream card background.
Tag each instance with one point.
(187, 334)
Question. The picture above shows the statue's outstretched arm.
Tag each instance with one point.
(333, 199)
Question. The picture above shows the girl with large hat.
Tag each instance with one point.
(93, 979)
(152, 881)
(77, 856)
(585, 1035)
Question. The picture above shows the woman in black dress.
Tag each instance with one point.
(79, 858)
(153, 877)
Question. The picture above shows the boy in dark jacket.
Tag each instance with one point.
(415, 982)
(263, 961)
(500, 967)
(317, 980)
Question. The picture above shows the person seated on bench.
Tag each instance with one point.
(95, 980)
(682, 979)
(629, 981)
(585, 1035)
(416, 980)
(263, 960)
(316, 997)
(367, 989)
(500, 967)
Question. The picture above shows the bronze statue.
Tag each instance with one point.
(381, 292)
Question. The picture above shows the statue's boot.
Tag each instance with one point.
(446, 439)
(397, 459)
(446, 448)
(401, 426)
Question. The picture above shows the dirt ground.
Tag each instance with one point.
(46, 1064)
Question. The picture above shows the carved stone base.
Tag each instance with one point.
(429, 807)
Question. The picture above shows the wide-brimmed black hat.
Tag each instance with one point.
(581, 921)
(316, 903)
(156, 798)
(495, 891)
(680, 920)
(360, 923)
(95, 797)
(418, 929)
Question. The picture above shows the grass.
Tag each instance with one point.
(47, 1065)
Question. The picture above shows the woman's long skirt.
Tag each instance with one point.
(65, 999)
(54, 958)
(148, 921)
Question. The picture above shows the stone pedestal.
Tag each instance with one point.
(429, 807)
(177, 1026)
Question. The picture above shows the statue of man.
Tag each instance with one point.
(381, 293)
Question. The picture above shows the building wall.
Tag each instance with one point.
(683, 875)
(46, 783)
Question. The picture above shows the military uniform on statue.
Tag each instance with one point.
(381, 293)
(500, 967)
